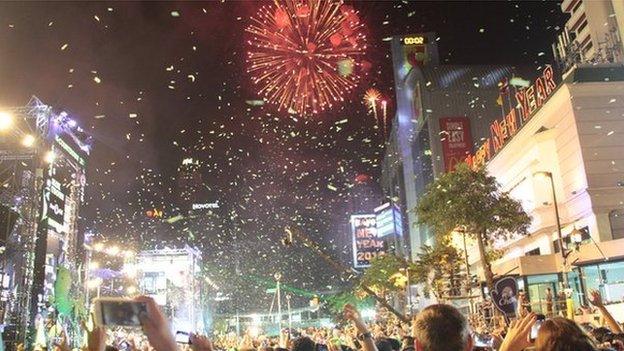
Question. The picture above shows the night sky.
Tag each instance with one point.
(153, 88)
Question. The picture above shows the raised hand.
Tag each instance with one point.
(63, 344)
(200, 343)
(155, 326)
(595, 298)
(517, 338)
(96, 338)
(352, 314)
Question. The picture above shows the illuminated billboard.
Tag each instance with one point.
(366, 242)
(389, 220)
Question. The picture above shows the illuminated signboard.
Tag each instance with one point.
(71, 148)
(415, 40)
(55, 193)
(154, 213)
(528, 100)
(366, 243)
(389, 222)
(415, 50)
(205, 206)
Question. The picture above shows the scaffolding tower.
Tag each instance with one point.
(34, 134)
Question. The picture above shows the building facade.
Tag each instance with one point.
(565, 159)
(442, 112)
(592, 35)
(597, 28)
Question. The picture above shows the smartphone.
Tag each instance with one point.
(483, 340)
(118, 311)
(124, 346)
(183, 337)
(535, 328)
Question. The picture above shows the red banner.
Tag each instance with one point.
(456, 140)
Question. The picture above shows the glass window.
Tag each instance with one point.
(608, 278)
(556, 245)
(616, 218)
(576, 7)
(540, 297)
(588, 47)
(582, 26)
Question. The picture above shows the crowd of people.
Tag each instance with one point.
(438, 327)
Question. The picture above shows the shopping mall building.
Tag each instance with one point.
(554, 141)
(565, 158)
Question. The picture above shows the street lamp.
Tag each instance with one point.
(288, 297)
(49, 157)
(28, 140)
(549, 175)
(6, 121)
(576, 235)
(277, 277)
(113, 250)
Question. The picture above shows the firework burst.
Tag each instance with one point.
(304, 55)
(371, 99)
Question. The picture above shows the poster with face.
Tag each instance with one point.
(504, 296)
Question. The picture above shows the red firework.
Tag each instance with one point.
(305, 54)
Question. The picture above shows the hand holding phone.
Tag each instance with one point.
(115, 311)
(200, 343)
(183, 337)
(539, 319)
(155, 326)
(483, 340)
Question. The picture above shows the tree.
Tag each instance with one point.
(437, 268)
(337, 302)
(472, 200)
(379, 275)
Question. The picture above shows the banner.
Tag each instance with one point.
(456, 141)
(366, 243)
(505, 295)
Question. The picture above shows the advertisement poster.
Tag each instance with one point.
(505, 296)
(456, 140)
(366, 243)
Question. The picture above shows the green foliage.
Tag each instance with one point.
(337, 302)
(472, 200)
(436, 267)
(378, 275)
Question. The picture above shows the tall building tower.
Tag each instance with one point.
(594, 31)
(442, 112)
(189, 182)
